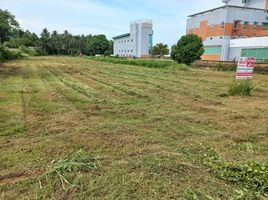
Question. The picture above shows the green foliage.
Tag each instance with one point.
(160, 50)
(28, 51)
(188, 49)
(241, 88)
(6, 54)
(68, 44)
(1, 56)
(196, 195)
(23, 39)
(50, 43)
(140, 62)
(8, 25)
(79, 162)
(98, 44)
(252, 176)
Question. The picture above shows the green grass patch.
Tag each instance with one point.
(141, 62)
(251, 176)
(79, 162)
(241, 88)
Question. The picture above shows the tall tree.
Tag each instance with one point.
(160, 49)
(98, 44)
(45, 41)
(8, 25)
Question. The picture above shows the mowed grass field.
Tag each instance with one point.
(150, 132)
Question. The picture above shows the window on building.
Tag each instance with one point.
(264, 26)
(261, 54)
(150, 45)
(213, 50)
(255, 25)
(222, 25)
(246, 25)
(244, 1)
(131, 40)
(236, 24)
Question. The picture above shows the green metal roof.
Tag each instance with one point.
(121, 36)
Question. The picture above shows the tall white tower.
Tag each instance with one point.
(142, 33)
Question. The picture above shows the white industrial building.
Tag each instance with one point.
(238, 28)
(137, 43)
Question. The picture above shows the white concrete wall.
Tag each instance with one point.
(243, 14)
(227, 15)
(213, 17)
(250, 42)
(251, 3)
(123, 47)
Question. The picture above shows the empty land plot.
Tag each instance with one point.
(150, 131)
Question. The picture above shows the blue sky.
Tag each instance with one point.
(109, 17)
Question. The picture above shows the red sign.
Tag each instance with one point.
(245, 68)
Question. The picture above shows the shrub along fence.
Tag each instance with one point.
(228, 65)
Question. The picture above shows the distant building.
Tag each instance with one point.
(239, 28)
(137, 43)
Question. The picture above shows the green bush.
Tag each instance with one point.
(1, 57)
(241, 88)
(26, 50)
(6, 54)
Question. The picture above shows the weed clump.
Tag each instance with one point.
(252, 176)
(80, 162)
(241, 88)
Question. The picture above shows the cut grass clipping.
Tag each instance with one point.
(252, 176)
(241, 88)
(79, 162)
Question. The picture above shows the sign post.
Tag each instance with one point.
(245, 68)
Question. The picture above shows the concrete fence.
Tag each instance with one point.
(228, 65)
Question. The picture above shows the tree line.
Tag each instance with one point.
(48, 43)
(188, 49)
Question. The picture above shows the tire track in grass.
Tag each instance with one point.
(127, 91)
(112, 101)
(158, 82)
(173, 98)
(63, 96)
(80, 88)
(25, 70)
(87, 82)
(172, 77)
(88, 70)
(170, 95)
